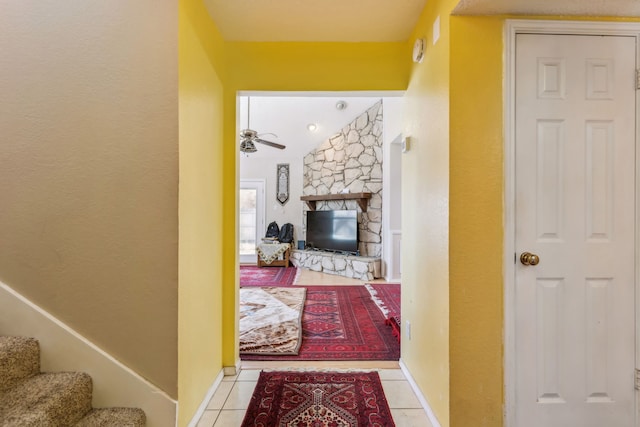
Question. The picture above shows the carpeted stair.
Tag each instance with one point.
(29, 397)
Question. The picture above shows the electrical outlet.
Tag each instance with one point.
(408, 330)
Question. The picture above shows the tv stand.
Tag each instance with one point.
(351, 266)
(360, 198)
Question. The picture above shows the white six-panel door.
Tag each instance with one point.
(575, 209)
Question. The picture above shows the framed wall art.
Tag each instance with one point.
(282, 183)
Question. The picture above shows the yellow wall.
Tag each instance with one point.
(89, 172)
(200, 218)
(425, 214)
(90, 226)
(291, 67)
(476, 222)
(452, 190)
(230, 295)
(318, 66)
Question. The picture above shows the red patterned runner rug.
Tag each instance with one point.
(318, 399)
(387, 298)
(341, 323)
(267, 276)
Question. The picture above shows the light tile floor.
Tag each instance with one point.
(230, 401)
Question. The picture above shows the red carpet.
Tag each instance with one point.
(318, 399)
(267, 276)
(341, 323)
(387, 298)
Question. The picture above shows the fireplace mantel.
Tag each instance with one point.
(361, 198)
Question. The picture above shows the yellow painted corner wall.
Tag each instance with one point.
(200, 222)
(425, 214)
(476, 222)
(309, 66)
(230, 236)
(290, 67)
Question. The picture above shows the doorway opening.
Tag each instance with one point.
(303, 121)
(251, 221)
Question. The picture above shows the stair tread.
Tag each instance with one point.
(47, 399)
(19, 359)
(121, 417)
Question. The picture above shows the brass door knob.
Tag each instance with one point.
(529, 259)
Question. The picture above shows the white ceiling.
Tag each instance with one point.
(287, 115)
(549, 7)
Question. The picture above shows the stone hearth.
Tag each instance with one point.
(351, 266)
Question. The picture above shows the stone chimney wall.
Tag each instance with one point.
(351, 159)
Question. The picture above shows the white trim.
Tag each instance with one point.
(637, 246)
(391, 152)
(233, 370)
(394, 272)
(509, 222)
(321, 93)
(532, 26)
(423, 400)
(511, 28)
(64, 349)
(206, 400)
(260, 185)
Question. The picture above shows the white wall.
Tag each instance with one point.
(392, 194)
(262, 165)
(265, 168)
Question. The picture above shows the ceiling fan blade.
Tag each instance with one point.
(269, 143)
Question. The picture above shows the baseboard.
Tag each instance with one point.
(206, 400)
(232, 370)
(63, 349)
(418, 392)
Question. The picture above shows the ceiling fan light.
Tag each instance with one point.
(247, 146)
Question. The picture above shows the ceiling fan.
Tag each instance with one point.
(249, 136)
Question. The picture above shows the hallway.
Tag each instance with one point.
(229, 403)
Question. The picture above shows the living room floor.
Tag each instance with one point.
(230, 401)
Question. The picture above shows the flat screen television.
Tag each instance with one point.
(333, 230)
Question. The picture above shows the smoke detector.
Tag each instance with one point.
(341, 105)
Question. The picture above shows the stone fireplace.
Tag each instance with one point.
(351, 160)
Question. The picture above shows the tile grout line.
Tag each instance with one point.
(238, 380)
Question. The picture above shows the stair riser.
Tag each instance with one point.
(49, 399)
(29, 398)
(19, 359)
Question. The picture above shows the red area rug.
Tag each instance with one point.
(341, 323)
(387, 298)
(267, 276)
(318, 399)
